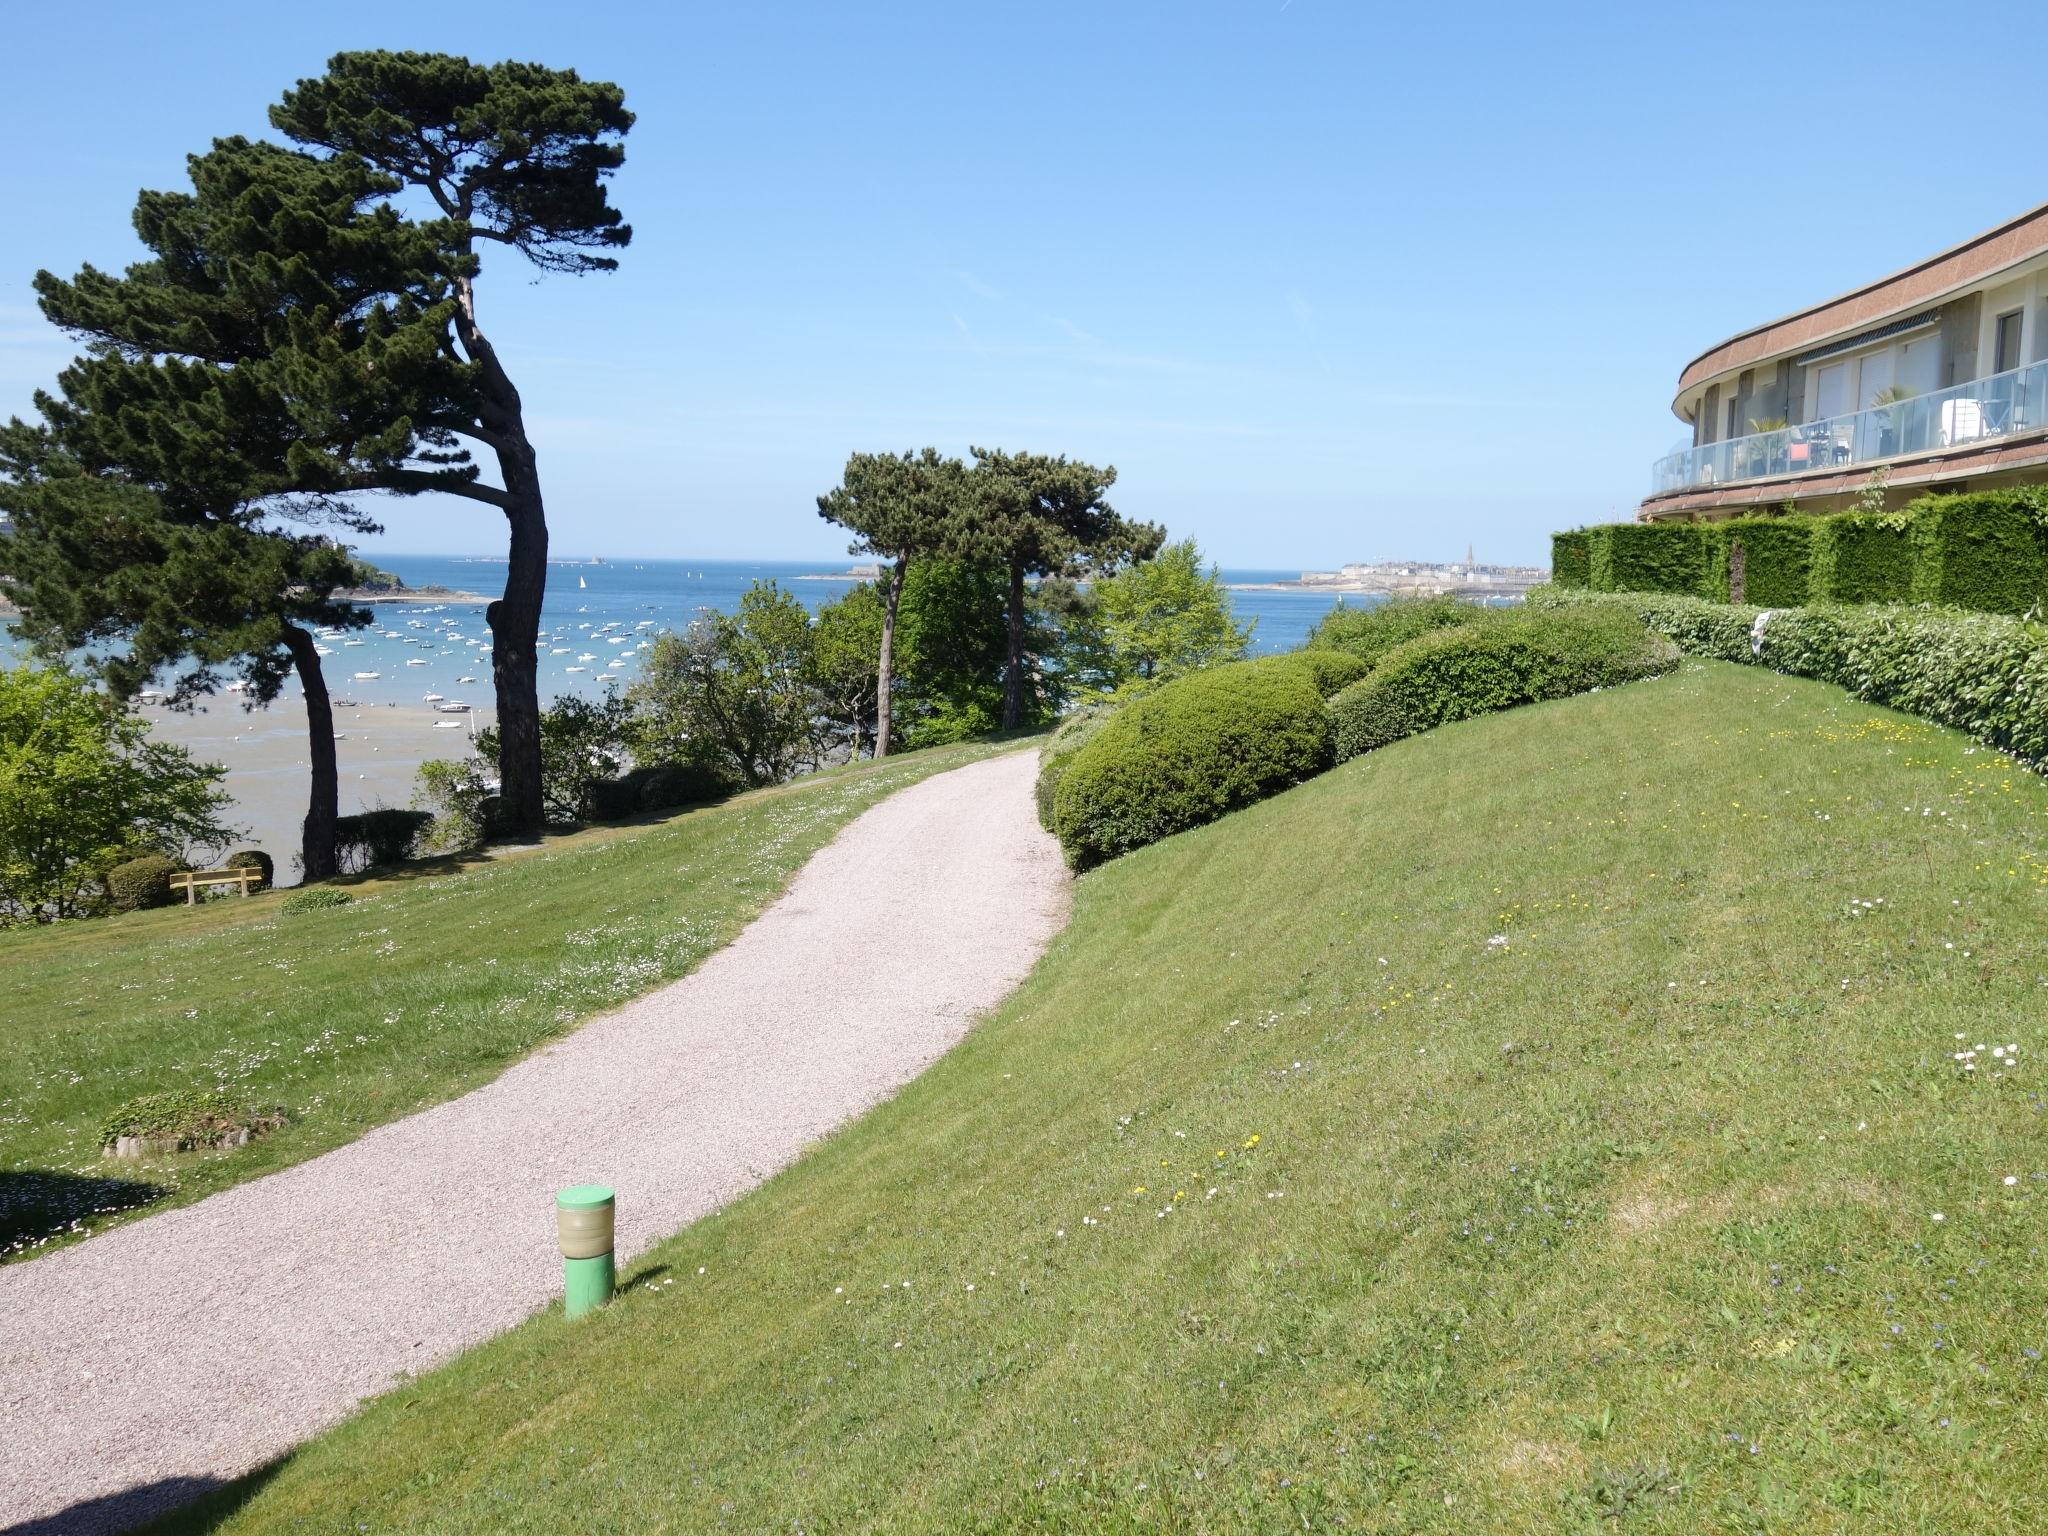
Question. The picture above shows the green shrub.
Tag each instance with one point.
(315, 898)
(1986, 550)
(1331, 671)
(1509, 658)
(1861, 557)
(142, 883)
(1656, 557)
(658, 787)
(1368, 633)
(1195, 749)
(1571, 558)
(256, 859)
(187, 1117)
(1777, 556)
(1984, 674)
(383, 836)
(1068, 738)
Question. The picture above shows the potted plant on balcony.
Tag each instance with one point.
(1889, 417)
(1767, 451)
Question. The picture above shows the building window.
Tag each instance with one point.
(2005, 347)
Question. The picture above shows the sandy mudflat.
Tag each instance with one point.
(143, 1365)
(380, 746)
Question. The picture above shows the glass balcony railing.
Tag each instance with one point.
(2004, 405)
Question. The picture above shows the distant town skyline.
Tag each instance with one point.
(1324, 285)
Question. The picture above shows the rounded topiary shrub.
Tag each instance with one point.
(315, 898)
(1193, 750)
(1368, 633)
(1068, 738)
(143, 882)
(1505, 658)
(258, 860)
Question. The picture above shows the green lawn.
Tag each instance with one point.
(1548, 1123)
(425, 987)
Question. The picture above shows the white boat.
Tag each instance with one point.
(586, 656)
(465, 679)
(578, 669)
(581, 582)
(239, 685)
(453, 707)
(417, 661)
(368, 677)
(447, 725)
(432, 698)
(607, 677)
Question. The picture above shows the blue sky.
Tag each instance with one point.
(1324, 281)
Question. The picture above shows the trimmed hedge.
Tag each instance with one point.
(1369, 633)
(1196, 749)
(1571, 558)
(1068, 738)
(141, 883)
(1502, 660)
(658, 787)
(1983, 674)
(1986, 551)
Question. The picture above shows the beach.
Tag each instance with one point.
(377, 748)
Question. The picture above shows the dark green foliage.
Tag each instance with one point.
(1980, 673)
(1777, 561)
(1195, 749)
(371, 839)
(1861, 557)
(1571, 558)
(1986, 550)
(142, 883)
(660, 787)
(258, 860)
(1369, 632)
(1655, 557)
(1072, 734)
(315, 898)
(1502, 659)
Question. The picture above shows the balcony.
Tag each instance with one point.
(1982, 412)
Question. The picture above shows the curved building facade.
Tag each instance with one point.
(1937, 376)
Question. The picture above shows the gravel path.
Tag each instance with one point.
(142, 1366)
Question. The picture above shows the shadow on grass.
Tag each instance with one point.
(37, 1203)
(167, 1505)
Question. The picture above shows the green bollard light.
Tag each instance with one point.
(583, 1226)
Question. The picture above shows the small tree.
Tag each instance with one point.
(1034, 515)
(902, 507)
(83, 788)
(1166, 616)
(736, 688)
(847, 644)
(582, 746)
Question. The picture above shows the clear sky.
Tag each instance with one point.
(1325, 281)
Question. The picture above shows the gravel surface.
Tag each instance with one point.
(139, 1368)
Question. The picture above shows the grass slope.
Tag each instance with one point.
(1536, 1126)
(426, 986)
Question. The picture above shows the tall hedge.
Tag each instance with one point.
(1368, 633)
(1984, 674)
(1985, 550)
(1571, 558)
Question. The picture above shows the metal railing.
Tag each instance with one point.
(1984, 410)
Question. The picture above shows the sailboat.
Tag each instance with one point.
(581, 582)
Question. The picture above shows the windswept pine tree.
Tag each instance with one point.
(298, 336)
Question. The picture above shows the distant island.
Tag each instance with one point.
(1412, 578)
(372, 584)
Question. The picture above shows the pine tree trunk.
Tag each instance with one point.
(515, 664)
(1013, 672)
(885, 669)
(323, 808)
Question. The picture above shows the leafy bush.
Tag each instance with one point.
(315, 898)
(1368, 633)
(256, 859)
(1655, 557)
(1571, 558)
(1861, 557)
(187, 1117)
(456, 795)
(1984, 674)
(1986, 550)
(1193, 750)
(659, 787)
(1777, 555)
(1068, 738)
(143, 882)
(383, 836)
(1504, 659)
